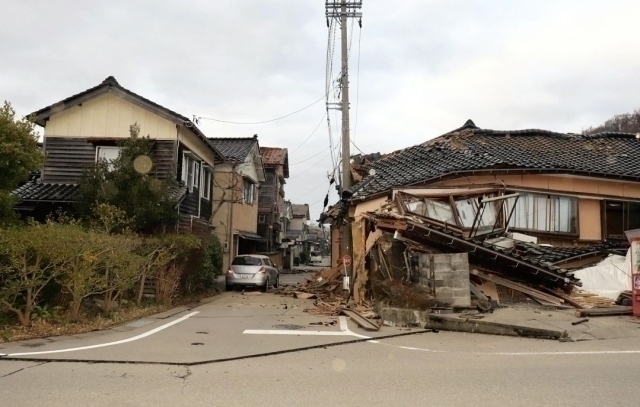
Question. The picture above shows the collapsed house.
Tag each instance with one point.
(521, 210)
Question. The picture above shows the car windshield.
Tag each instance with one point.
(246, 261)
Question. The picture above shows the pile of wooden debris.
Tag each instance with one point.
(325, 288)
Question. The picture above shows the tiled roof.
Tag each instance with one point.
(111, 83)
(273, 156)
(234, 149)
(178, 193)
(45, 192)
(469, 148)
(41, 192)
(300, 210)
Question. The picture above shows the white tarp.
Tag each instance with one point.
(607, 278)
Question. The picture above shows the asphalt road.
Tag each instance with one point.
(230, 352)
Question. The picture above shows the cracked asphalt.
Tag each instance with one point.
(206, 359)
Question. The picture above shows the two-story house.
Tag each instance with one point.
(86, 127)
(235, 193)
(298, 228)
(271, 221)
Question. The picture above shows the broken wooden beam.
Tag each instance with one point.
(362, 322)
(518, 287)
(604, 312)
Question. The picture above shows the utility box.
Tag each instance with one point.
(634, 241)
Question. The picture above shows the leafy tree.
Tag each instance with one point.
(142, 198)
(19, 155)
(623, 123)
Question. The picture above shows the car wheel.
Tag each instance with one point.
(265, 287)
(277, 284)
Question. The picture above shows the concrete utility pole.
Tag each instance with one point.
(345, 9)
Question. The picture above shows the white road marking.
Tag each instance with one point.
(344, 331)
(292, 332)
(102, 345)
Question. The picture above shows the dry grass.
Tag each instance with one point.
(44, 328)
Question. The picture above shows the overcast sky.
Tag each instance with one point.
(425, 66)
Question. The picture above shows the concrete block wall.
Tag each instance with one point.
(449, 273)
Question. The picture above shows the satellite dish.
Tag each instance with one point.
(372, 172)
(142, 164)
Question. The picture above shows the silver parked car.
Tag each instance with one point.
(252, 270)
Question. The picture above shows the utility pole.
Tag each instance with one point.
(344, 9)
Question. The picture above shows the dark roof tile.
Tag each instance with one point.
(471, 148)
(234, 149)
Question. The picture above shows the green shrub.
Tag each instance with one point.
(30, 259)
(304, 258)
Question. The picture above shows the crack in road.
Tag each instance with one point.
(24, 368)
(184, 377)
(212, 361)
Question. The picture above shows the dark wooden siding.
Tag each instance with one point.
(189, 205)
(267, 196)
(66, 159)
(163, 156)
(205, 209)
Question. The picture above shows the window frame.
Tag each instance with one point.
(626, 210)
(110, 161)
(248, 194)
(205, 185)
(191, 168)
(262, 219)
(553, 217)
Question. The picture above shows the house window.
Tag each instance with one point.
(108, 154)
(619, 217)
(248, 192)
(190, 172)
(206, 185)
(262, 219)
(544, 213)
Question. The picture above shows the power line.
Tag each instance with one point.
(265, 121)
(318, 162)
(312, 133)
(307, 159)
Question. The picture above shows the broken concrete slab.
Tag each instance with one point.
(455, 323)
(404, 317)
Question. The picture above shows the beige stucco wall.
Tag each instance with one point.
(589, 219)
(108, 115)
(368, 206)
(297, 223)
(232, 215)
(189, 139)
(612, 188)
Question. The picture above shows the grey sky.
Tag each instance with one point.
(425, 66)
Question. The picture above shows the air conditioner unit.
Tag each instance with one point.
(226, 247)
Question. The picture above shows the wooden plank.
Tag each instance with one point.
(518, 287)
(602, 312)
(363, 322)
(566, 298)
(489, 289)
